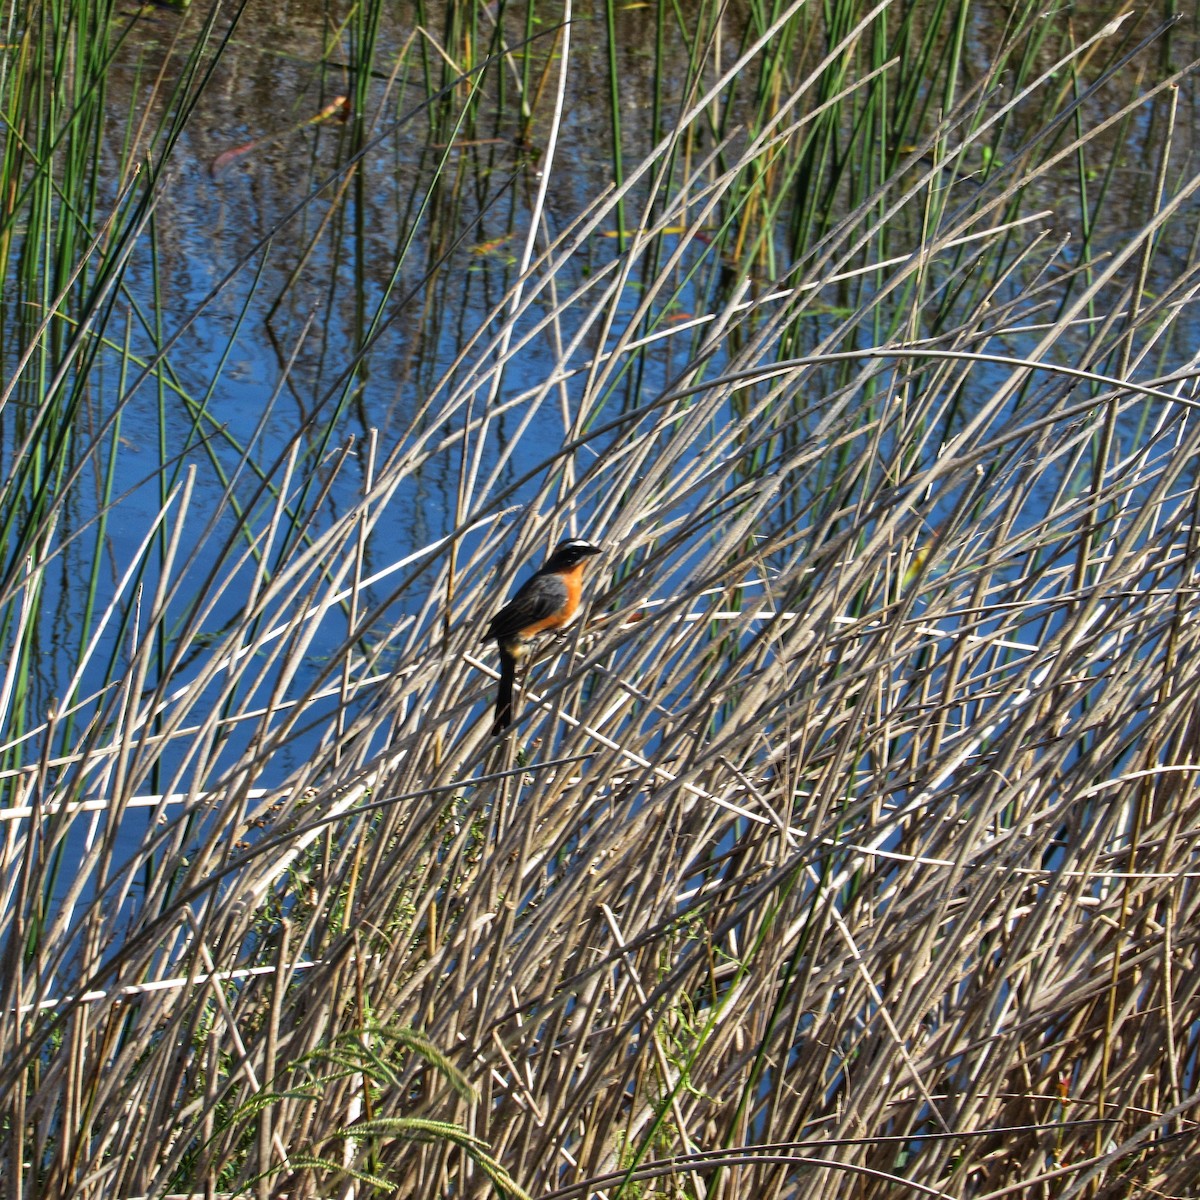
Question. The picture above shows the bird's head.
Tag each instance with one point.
(569, 553)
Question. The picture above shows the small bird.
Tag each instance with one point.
(547, 601)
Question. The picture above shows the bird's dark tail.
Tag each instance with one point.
(504, 694)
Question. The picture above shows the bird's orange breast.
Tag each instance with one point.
(572, 578)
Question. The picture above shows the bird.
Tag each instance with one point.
(548, 601)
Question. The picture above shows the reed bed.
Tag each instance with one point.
(847, 848)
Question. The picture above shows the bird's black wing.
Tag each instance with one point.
(538, 598)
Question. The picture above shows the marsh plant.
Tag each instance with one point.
(846, 848)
